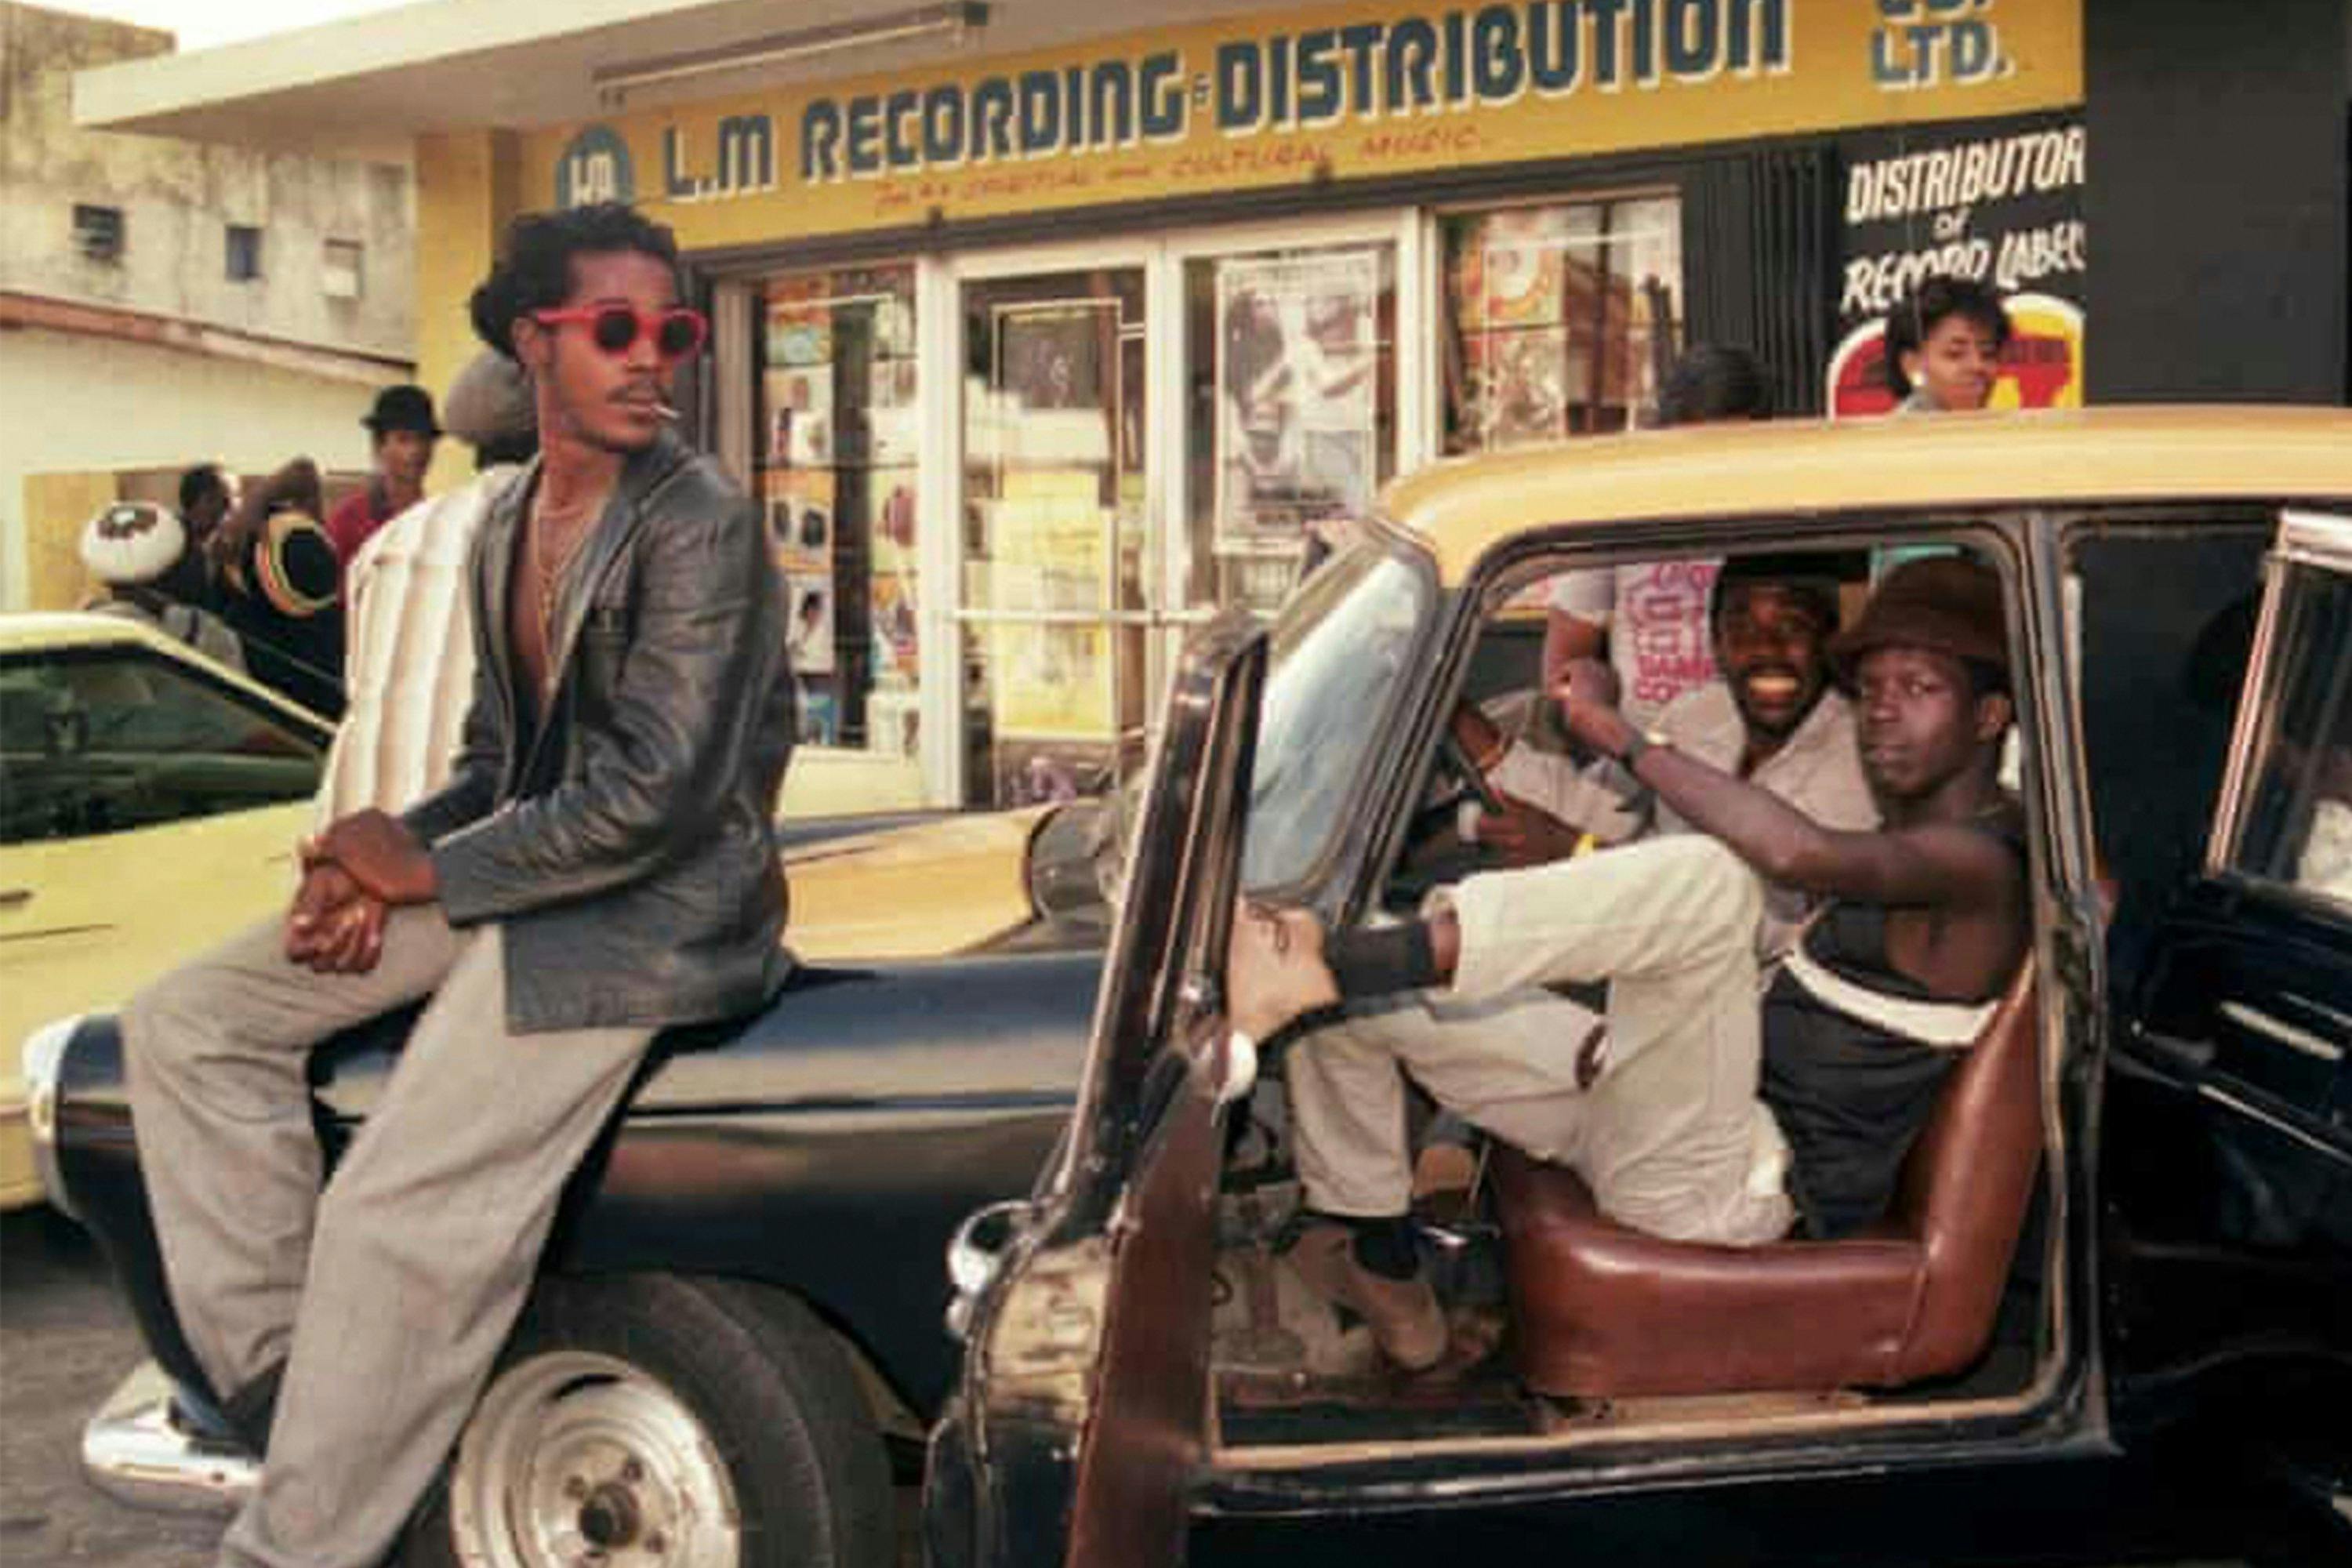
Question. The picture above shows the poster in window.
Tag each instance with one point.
(800, 417)
(894, 436)
(1297, 374)
(800, 518)
(1052, 679)
(892, 617)
(1523, 386)
(1050, 357)
(1050, 542)
(894, 520)
(808, 636)
(799, 322)
(1512, 271)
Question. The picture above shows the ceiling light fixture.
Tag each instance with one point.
(959, 20)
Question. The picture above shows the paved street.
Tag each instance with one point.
(65, 1342)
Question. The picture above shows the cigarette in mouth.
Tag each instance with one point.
(665, 411)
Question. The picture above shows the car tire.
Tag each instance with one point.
(683, 1423)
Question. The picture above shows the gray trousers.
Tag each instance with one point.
(387, 1295)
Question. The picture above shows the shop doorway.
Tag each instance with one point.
(1058, 599)
(1146, 439)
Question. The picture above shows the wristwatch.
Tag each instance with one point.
(1641, 741)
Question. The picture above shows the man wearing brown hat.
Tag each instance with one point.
(402, 430)
(1715, 1118)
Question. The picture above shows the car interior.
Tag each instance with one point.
(96, 742)
(1569, 1327)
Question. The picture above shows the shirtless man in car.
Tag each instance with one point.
(1715, 1119)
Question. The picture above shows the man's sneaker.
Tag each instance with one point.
(1406, 1322)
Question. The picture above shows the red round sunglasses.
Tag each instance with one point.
(677, 333)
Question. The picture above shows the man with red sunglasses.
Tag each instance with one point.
(600, 865)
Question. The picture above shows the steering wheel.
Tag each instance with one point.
(1468, 781)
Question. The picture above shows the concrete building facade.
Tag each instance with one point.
(165, 301)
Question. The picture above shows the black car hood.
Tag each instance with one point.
(1004, 1028)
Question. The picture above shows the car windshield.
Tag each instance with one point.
(1336, 650)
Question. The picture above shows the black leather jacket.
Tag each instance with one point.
(625, 849)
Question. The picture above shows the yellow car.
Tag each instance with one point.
(150, 802)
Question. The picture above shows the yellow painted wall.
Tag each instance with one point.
(55, 507)
(466, 195)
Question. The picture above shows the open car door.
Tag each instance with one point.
(1081, 1418)
(2236, 1244)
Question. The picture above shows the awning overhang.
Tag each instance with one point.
(369, 86)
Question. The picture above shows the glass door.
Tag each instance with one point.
(1056, 534)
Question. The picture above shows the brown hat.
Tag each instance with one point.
(1944, 603)
(491, 402)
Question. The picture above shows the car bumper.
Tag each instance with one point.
(29, 1120)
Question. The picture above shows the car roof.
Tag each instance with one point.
(1462, 507)
(37, 631)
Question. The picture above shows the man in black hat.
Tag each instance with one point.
(402, 428)
(1715, 1119)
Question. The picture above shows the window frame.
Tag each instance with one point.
(2307, 540)
(101, 232)
(241, 247)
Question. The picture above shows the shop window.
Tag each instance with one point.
(838, 435)
(342, 269)
(1559, 321)
(243, 264)
(1291, 366)
(98, 233)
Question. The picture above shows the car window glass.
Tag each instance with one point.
(1337, 652)
(2296, 824)
(106, 740)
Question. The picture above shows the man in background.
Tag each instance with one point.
(409, 625)
(401, 431)
(1649, 620)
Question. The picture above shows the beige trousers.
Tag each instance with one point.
(1671, 1137)
(387, 1295)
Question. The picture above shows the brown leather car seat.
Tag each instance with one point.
(1601, 1310)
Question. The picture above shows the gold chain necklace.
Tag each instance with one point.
(548, 567)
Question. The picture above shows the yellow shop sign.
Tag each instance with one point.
(1343, 92)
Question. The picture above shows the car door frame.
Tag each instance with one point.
(1083, 1409)
(2198, 1296)
(2065, 1412)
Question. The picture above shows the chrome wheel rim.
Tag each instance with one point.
(580, 1460)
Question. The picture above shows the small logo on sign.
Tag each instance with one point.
(594, 168)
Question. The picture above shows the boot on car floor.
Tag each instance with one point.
(1406, 1322)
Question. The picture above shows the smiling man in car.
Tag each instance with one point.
(599, 866)
(1770, 715)
(1924, 924)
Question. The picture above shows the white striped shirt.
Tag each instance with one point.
(410, 669)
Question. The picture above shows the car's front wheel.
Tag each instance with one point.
(648, 1421)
